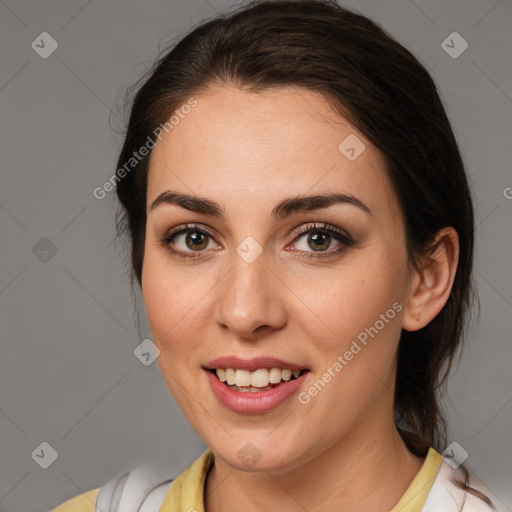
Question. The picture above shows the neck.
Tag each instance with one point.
(369, 469)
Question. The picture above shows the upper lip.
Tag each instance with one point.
(255, 363)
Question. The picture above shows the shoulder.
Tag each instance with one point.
(448, 496)
(142, 489)
(83, 503)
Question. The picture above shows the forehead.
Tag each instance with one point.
(280, 142)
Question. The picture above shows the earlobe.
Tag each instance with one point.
(431, 285)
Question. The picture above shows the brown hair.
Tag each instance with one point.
(381, 88)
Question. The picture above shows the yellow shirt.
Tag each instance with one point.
(186, 491)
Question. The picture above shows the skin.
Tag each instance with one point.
(247, 151)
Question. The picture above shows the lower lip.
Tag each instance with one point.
(257, 401)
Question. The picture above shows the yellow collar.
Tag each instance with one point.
(187, 490)
(417, 493)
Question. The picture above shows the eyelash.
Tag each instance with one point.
(340, 235)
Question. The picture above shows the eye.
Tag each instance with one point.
(320, 238)
(190, 241)
(187, 241)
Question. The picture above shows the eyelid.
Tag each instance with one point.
(187, 227)
(324, 226)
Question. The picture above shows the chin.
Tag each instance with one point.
(252, 456)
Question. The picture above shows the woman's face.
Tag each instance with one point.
(254, 288)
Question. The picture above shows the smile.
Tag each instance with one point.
(234, 388)
(259, 380)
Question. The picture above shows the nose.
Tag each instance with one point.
(251, 300)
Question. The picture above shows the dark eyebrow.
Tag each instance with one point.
(282, 210)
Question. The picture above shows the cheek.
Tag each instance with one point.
(357, 354)
(175, 301)
(172, 304)
(352, 297)
(356, 326)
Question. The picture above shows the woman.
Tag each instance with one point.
(301, 227)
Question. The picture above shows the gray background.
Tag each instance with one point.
(68, 375)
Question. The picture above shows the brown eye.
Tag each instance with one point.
(187, 241)
(196, 240)
(319, 241)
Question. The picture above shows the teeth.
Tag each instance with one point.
(260, 378)
(275, 376)
(230, 376)
(242, 378)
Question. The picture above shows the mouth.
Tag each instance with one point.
(262, 379)
(256, 385)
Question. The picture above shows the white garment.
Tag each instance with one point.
(141, 490)
(444, 496)
(144, 488)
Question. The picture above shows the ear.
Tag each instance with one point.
(431, 285)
